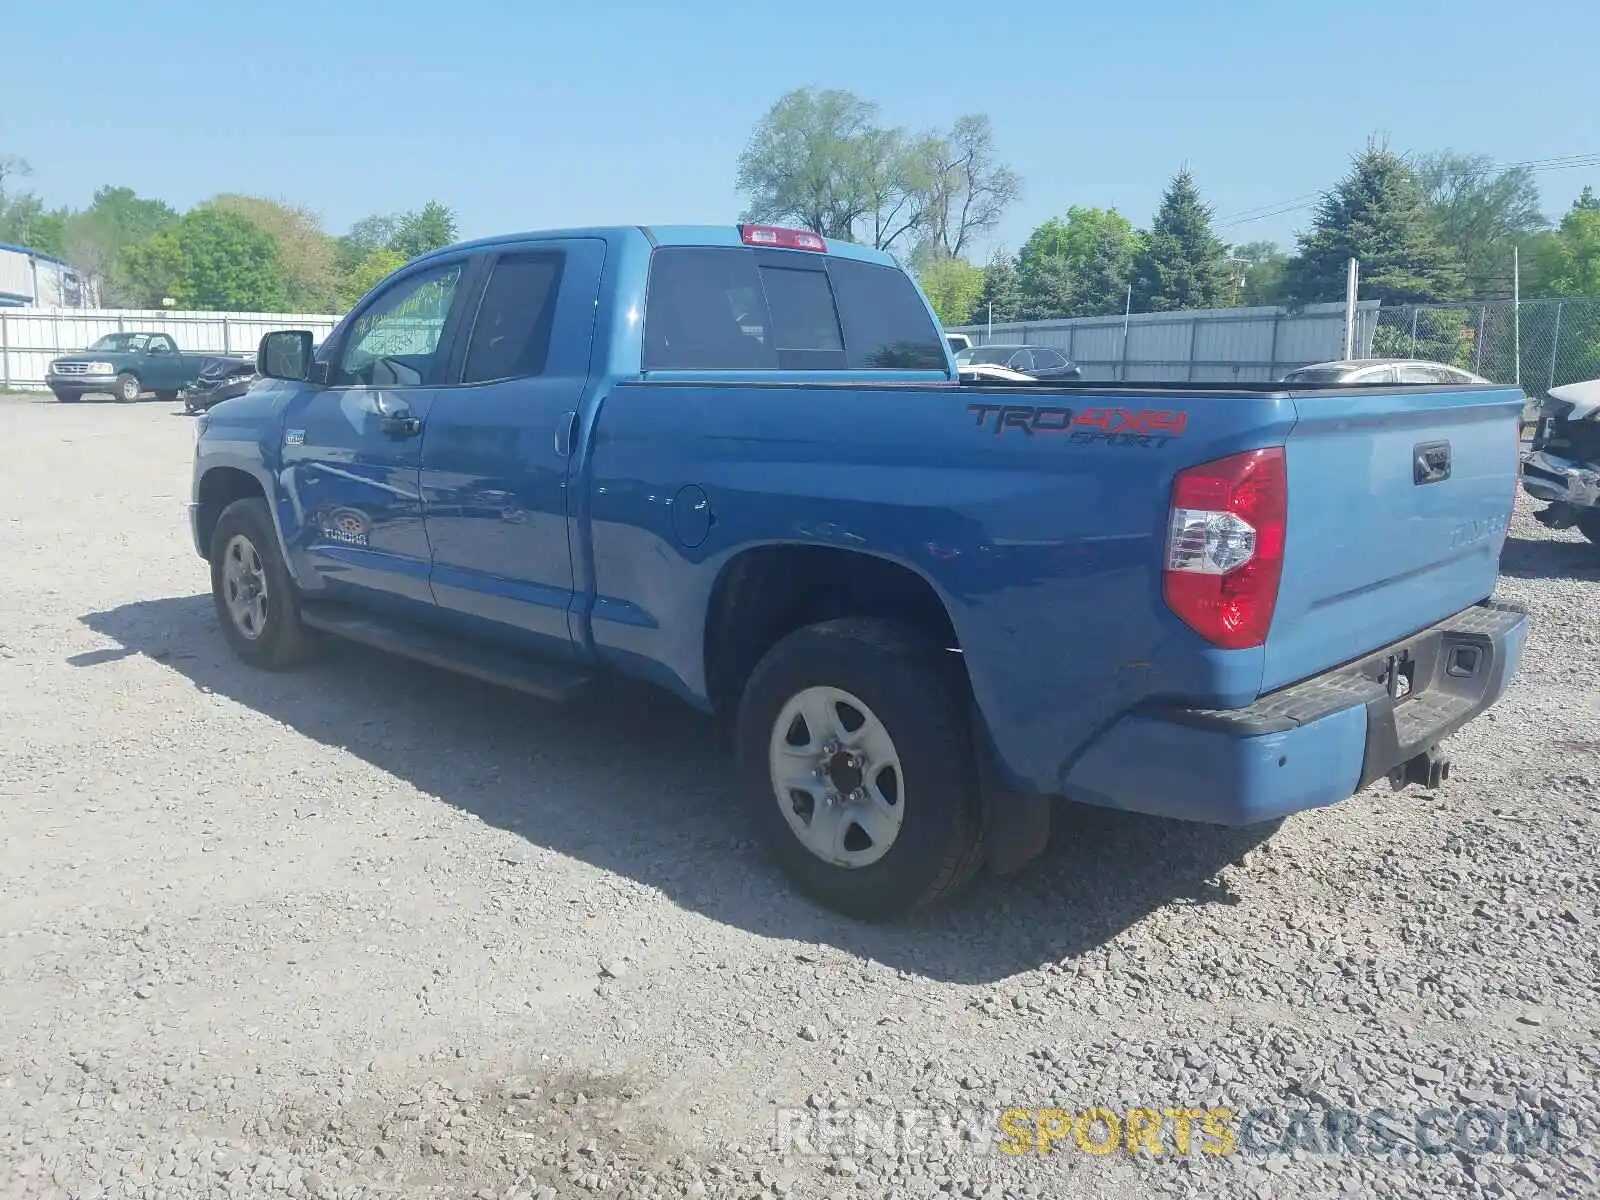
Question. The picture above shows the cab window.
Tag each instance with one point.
(395, 340)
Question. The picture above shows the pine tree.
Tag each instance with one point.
(1001, 295)
(1048, 290)
(1379, 216)
(1182, 263)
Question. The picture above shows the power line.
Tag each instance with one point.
(1536, 166)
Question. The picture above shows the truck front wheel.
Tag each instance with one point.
(254, 595)
(854, 746)
(127, 388)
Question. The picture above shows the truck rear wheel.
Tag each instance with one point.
(167, 397)
(127, 388)
(855, 749)
(254, 595)
(1589, 524)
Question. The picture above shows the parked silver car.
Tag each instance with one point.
(1380, 370)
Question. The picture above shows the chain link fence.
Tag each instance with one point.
(1547, 344)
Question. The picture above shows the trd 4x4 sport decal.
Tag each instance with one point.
(1143, 427)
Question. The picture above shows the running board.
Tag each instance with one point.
(492, 664)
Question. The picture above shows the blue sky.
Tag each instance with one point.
(522, 116)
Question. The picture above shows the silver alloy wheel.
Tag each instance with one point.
(244, 586)
(129, 391)
(836, 777)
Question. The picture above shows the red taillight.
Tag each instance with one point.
(1225, 546)
(781, 239)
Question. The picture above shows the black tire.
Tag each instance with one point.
(919, 693)
(68, 397)
(127, 388)
(1589, 524)
(167, 397)
(282, 641)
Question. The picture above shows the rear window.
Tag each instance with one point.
(511, 335)
(711, 308)
(994, 357)
(1315, 375)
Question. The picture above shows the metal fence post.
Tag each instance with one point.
(227, 336)
(1194, 329)
(5, 353)
(1554, 343)
(1272, 352)
(1413, 331)
(1477, 342)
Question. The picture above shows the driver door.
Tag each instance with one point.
(352, 446)
(163, 365)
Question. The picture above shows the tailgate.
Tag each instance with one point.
(1398, 507)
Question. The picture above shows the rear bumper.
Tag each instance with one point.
(1548, 476)
(1311, 744)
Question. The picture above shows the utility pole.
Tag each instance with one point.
(1351, 283)
(1516, 309)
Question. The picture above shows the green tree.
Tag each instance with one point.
(209, 260)
(969, 188)
(1265, 269)
(366, 275)
(809, 162)
(953, 286)
(375, 232)
(1587, 201)
(116, 219)
(820, 160)
(24, 220)
(1047, 288)
(899, 173)
(1567, 262)
(1096, 247)
(1182, 263)
(1379, 215)
(418, 233)
(1481, 214)
(1101, 245)
(305, 251)
(1000, 295)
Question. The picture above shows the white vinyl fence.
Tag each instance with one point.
(31, 337)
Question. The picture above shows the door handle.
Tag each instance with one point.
(565, 425)
(400, 425)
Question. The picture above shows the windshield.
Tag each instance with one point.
(996, 355)
(122, 343)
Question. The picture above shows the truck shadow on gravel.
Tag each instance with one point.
(1547, 558)
(632, 781)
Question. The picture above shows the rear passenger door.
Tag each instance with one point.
(495, 456)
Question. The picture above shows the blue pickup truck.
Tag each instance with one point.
(737, 462)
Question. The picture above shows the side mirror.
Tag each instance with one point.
(285, 354)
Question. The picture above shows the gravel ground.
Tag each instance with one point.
(369, 929)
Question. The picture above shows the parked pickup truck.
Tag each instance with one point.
(126, 365)
(736, 462)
